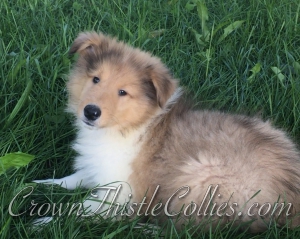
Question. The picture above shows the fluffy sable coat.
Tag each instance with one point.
(135, 129)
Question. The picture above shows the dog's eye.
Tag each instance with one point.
(96, 80)
(122, 92)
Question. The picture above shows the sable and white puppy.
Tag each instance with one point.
(136, 130)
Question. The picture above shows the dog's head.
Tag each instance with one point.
(115, 85)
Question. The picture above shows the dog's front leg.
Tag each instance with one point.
(69, 182)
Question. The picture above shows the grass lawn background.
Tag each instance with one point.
(238, 56)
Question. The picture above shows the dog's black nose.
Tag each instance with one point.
(92, 112)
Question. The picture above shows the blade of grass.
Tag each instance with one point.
(20, 103)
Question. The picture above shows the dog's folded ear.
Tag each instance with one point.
(88, 41)
(165, 85)
(160, 84)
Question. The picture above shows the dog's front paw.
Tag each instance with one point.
(45, 181)
(50, 181)
(42, 221)
(68, 182)
(39, 223)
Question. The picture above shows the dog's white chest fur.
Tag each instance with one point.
(104, 159)
(105, 156)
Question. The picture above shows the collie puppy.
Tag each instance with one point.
(143, 147)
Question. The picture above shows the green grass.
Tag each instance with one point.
(227, 70)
